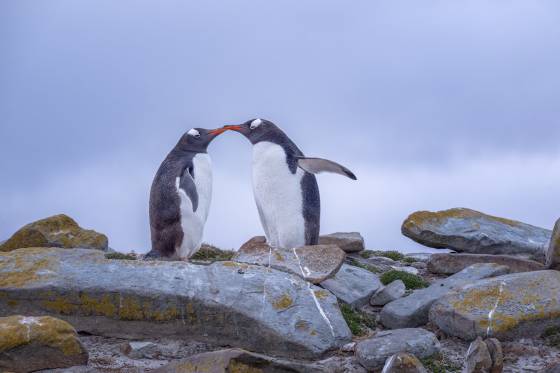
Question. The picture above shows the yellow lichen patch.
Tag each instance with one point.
(21, 267)
(16, 331)
(321, 294)
(102, 306)
(279, 256)
(283, 302)
(239, 367)
(302, 325)
(230, 264)
(131, 309)
(12, 303)
(477, 299)
(423, 217)
(59, 305)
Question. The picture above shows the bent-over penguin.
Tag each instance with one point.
(284, 185)
(180, 197)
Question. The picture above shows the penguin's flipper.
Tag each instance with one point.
(318, 165)
(187, 185)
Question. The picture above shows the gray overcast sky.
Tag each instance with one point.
(433, 104)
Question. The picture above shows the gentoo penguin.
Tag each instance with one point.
(180, 197)
(284, 185)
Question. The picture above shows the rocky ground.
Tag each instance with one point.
(335, 307)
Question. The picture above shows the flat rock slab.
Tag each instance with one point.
(236, 360)
(449, 264)
(506, 307)
(353, 285)
(413, 310)
(350, 242)
(473, 232)
(313, 263)
(35, 343)
(389, 293)
(373, 353)
(225, 303)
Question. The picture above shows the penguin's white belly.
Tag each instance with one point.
(192, 222)
(278, 194)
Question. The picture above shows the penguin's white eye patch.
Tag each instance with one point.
(256, 123)
(193, 133)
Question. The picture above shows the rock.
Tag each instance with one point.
(353, 285)
(497, 355)
(403, 363)
(35, 343)
(313, 263)
(224, 303)
(506, 307)
(473, 232)
(372, 353)
(389, 293)
(141, 350)
(406, 269)
(236, 360)
(413, 310)
(448, 264)
(478, 359)
(553, 252)
(419, 257)
(375, 264)
(349, 242)
(56, 231)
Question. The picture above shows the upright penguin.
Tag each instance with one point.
(284, 185)
(180, 197)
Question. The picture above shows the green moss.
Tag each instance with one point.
(440, 365)
(408, 260)
(120, 256)
(410, 281)
(367, 267)
(358, 322)
(213, 254)
(391, 254)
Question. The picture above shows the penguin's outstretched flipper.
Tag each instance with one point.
(318, 165)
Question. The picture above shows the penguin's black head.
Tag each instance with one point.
(256, 130)
(198, 139)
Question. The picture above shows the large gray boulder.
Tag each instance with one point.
(29, 344)
(225, 303)
(507, 307)
(353, 285)
(473, 232)
(414, 310)
(350, 242)
(449, 264)
(372, 353)
(313, 263)
(553, 252)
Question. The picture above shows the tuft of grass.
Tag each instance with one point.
(408, 260)
(440, 365)
(213, 254)
(367, 267)
(391, 254)
(357, 321)
(410, 281)
(551, 336)
(120, 256)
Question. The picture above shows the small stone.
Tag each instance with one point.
(553, 252)
(373, 353)
(406, 269)
(36, 343)
(351, 242)
(496, 353)
(389, 293)
(141, 350)
(56, 231)
(507, 307)
(349, 347)
(470, 231)
(478, 359)
(313, 263)
(353, 285)
(413, 310)
(449, 264)
(403, 363)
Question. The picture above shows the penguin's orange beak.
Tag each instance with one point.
(233, 128)
(217, 131)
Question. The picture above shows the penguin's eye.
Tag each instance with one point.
(194, 133)
(255, 123)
